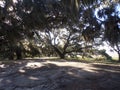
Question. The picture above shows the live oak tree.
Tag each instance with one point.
(10, 31)
(63, 40)
(22, 19)
(111, 27)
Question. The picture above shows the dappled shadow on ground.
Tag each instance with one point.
(53, 75)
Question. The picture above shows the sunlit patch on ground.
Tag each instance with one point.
(34, 64)
(33, 78)
(2, 66)
(22, 71)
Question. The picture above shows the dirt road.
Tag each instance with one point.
(58, 75)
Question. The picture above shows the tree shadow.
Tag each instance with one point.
(49, 76)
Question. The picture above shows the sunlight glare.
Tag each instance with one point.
(2, 3)
(15, 1)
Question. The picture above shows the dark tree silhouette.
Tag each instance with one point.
(111, 26)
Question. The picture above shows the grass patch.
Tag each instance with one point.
(75, 59)
(94, 60)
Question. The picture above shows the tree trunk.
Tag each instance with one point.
(18, 53)
(62, 56)
(119, 57)
(11, 56)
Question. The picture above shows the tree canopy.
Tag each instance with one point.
(111, 25)
(84, 21)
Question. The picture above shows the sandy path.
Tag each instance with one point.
(62, 75)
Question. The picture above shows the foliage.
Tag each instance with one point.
(111, 26)
(62, 41)
(22, 20)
